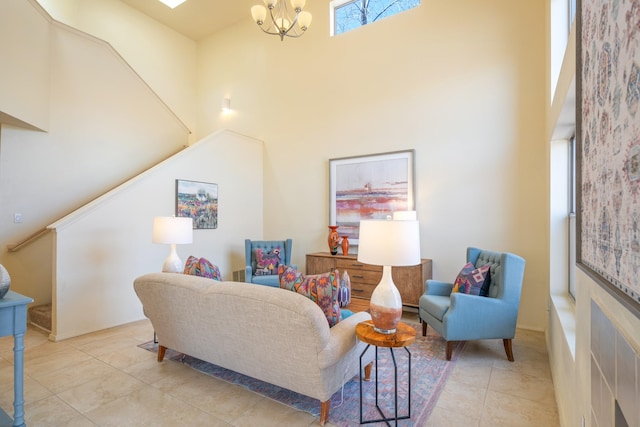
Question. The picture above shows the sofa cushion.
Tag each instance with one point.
(470, 279)
(202, 267)
(266, 263)
(320, 288)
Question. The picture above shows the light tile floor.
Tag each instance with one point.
(105, 379)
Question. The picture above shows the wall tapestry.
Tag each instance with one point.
(369, 187)
(197, 200)
(608, 138)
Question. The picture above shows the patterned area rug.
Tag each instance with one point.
(429, 374)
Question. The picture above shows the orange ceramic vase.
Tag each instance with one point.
(333, 239)
(345, 245)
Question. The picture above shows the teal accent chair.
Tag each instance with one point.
(464, 317)
(251, 273)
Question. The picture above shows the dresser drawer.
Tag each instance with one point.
(353, 265)
(363, 277)
(362, 290)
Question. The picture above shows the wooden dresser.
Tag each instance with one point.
(364, 277)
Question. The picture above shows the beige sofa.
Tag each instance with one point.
(271, 334)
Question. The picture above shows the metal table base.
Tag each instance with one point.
(385, 418)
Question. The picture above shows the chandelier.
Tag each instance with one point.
(281, 23)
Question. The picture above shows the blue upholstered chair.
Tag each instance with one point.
(463, 317)
(269, 251)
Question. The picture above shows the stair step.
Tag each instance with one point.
(40, 316)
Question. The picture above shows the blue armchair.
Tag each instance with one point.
(465, 317)
(261, 259)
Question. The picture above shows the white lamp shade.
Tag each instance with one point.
(404, 215)
(172, 230)
(270, 3)
(258, 13)
(304, 20)
(389, 242)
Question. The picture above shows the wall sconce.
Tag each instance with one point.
(226, 105)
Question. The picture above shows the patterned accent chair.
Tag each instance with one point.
(262, 258)
(463, 317)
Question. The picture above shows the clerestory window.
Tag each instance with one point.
(349, 14)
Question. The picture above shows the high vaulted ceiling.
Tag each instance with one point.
(197, 18)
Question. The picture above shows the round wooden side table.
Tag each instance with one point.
(404, 336)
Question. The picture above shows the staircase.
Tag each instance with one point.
(40, 316)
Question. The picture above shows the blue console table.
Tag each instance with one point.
(13, 321)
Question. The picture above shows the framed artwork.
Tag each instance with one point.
(369, 187)
(608, 147)
(197, 200)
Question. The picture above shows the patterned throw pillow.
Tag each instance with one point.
(470, 279)
(191, 266)
(209, 270)
(289, 277)
(267, 264)
(319, 288)
(202, 267)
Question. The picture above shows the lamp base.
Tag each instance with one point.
(385, 319)
(386, 304)
(173, 263)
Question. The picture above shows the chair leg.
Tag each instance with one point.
(424, 328)
(508, 349)
(449, 349)
(324, 412)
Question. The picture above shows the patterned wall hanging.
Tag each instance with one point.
(608, 137)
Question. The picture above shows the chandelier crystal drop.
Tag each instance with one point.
(282, 22)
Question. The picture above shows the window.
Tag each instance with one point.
(572, 217)
(572, 12)
(349, 14)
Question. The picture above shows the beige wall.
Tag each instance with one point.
(461, 83)
(104, 246)
(24, 77)
(164, 59)
(104, 126)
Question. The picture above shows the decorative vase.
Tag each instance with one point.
(386, 304)
(345, 245)
(5, 281)
(334, 239)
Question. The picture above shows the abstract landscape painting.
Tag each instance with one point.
(369, 187)
(197, 200)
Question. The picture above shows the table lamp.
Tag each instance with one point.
(389, 243)
(405, 215)
(172, 231)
